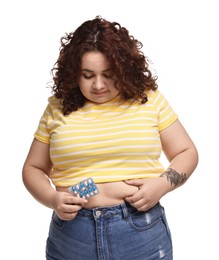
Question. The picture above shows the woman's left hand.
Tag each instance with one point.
(151, 190)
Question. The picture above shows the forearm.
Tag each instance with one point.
(38, 184)
(180, 169)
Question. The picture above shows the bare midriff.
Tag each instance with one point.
(111, 193)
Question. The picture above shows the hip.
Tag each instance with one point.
(115, 232)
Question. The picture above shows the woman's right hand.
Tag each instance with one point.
(66, 205)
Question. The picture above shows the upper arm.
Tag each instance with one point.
(175, 140)
(39, 156)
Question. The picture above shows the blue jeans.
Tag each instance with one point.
(111, 233)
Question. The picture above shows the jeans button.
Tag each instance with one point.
(98, 213)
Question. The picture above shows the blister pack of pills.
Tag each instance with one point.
(84, 189)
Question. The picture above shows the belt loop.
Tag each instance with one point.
(125, 211)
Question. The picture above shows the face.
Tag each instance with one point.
(97, 82)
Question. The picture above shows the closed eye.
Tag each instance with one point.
(87, 76)
(108, 75)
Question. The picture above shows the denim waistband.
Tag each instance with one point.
(123, 210)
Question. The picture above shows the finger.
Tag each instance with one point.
(68, 216)
(139, 204)
(134, 182)
(137, 200)
(75, 200)
(71, 208)
(129, 199)
(136, 196)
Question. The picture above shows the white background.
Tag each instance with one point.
(180, 38)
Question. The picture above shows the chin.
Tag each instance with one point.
(100, 100)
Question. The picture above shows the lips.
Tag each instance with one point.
(100, 93)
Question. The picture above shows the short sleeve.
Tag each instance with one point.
(42, 133)
(166, 114)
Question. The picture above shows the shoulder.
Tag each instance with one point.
(53, 108)
(166, 114)
(153, 94)
(53, 101)
(54, 104)
(155, 97)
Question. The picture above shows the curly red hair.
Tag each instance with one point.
(123, 52)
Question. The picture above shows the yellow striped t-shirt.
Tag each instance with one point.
(109, 142)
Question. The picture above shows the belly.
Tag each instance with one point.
(109, 194)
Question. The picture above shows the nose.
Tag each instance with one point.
(98, 84)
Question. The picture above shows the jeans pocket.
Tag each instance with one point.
(143, 220)
(56, 221)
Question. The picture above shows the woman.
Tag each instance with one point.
(107, 120)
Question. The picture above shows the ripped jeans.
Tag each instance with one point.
(117, 232)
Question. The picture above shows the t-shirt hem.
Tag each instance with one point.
(39, 138)
(98, 181)
(168, 123)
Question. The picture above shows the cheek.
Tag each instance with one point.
(115, 90)
(84, 90)
(84, 86)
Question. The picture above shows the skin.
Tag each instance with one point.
(97, 85)
(96, 81)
